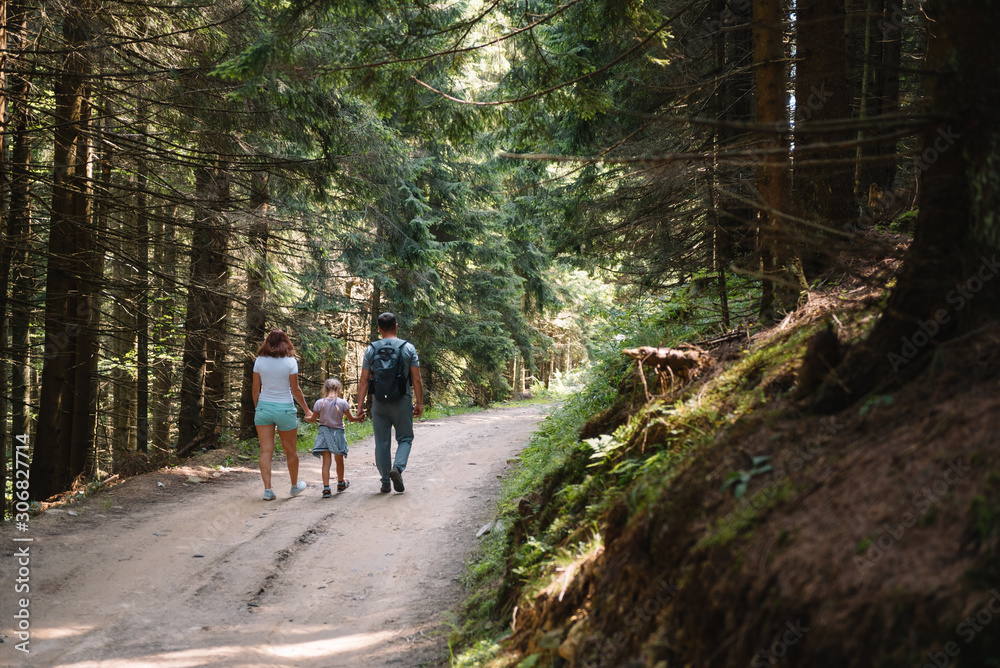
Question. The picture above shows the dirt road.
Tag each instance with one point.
(166, 571)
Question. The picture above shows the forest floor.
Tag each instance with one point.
(189, 567)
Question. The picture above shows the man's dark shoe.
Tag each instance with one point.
(397, 479)
(385, 488)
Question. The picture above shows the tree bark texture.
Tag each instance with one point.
(165, 258)
(123, 314)
(207, 310)
(19, 225)
(6, 256)
(947, 285)
(880, 92)
(142, 308)
(775, 236)
(256, 327)
(824, 179)
(62, 442)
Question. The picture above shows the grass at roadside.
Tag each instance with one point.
(247, 452)
(547, 452)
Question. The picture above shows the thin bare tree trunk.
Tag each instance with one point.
(256, 298)
(376, 311)
(165, 257)
(123, 389)
(142, 307)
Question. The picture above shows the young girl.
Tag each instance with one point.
(330, 411)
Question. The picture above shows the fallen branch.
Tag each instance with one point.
(668, 363)
(185, 450)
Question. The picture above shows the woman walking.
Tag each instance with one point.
(275, 385)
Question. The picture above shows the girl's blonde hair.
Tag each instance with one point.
(332, 385)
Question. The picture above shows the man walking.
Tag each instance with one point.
(390, 367)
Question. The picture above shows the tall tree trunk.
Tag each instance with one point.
(736, 220)
(947, 284)
(142, 307)
(69, 345)
(5, 257)
(19, 226)
(733, 219)
(427, 376)
(207, 309)
(165, 258)
(345, 329)
(824, 179)
(90, 269)
(192, 402)
(256, 327)
(869, 51)
(879, 93)
(123, 389)
(376, 311)
(217, 310)
(775, 238)
(887, 85)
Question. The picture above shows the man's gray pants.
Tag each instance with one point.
(386, 416)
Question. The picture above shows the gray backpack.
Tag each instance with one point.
(389, 373)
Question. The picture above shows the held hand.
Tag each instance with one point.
(309, 415)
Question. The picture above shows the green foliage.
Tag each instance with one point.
(742, 519)
(580, 483)
(874, 401)
(739, 480)
(603, 446)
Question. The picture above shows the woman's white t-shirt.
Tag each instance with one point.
(274, 383)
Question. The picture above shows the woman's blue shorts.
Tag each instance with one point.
(281, 415)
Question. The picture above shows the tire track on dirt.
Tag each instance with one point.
(285, 555)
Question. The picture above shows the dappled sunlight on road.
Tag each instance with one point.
(327, 648)
(192, 658)
(40, 635)
(303, 646)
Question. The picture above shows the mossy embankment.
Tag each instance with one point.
(733, 523)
